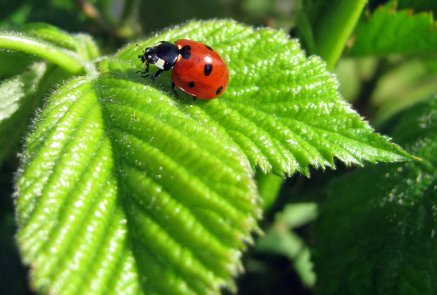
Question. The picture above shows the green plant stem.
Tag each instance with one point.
(128, 26)
(334, 27)
(58, 56)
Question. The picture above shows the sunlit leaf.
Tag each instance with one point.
(282, 108)
(118, 194)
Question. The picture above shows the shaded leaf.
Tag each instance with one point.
(19, 97)
(269, 186)
(418, 5)
(16, 104)
(13, 63)
(376, 231)
(390, 31)
(281, 239)
(403, 86)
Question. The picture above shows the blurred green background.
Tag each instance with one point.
(280, 263)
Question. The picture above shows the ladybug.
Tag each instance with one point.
(197, 69)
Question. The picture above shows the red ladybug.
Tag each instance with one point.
(197, 69)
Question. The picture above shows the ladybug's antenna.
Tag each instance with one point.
(140, 56)
(140, 47)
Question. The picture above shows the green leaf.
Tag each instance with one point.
(389, 31)
(403, 86)
(19, 96)
(28, 80)
(81, 44)
(126, 189)
(53, 45)
(13, 63)
(268, 188)
(418, 5)
(282, 108)
(280, 239)
(376, 230)
(118, 193)
(332, 22)
(16, 103)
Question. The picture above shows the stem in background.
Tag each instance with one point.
(331, 32)
(129, 25)
(60, 57)
(268, 187)
(362, 103)
(334, 26)
(93, 13)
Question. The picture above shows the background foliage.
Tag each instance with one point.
(311, 225)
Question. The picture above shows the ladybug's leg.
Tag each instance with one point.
(157, 74)
(173, 89)
(145, 73)
(194, 98)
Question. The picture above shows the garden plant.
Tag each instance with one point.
(313, 173)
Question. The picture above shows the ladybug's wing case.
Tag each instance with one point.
(200, 71)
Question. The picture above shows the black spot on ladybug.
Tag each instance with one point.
(191, 84)
(209, 47)
(207, 69)
(219, 90)
(185, 52)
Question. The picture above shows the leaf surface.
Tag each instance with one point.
(117, 195)
(282, 108)
(390, 31)
(376, 231)
(19, 96)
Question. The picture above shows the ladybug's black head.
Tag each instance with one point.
(149, 56)
(164, 55)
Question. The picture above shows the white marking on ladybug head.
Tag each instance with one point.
(160, 63)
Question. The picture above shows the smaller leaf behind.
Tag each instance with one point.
(376, 230)
(419, 5)
(281, 239)
(390, 31)
(13, 63)
(19, 98)
(16, 103)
